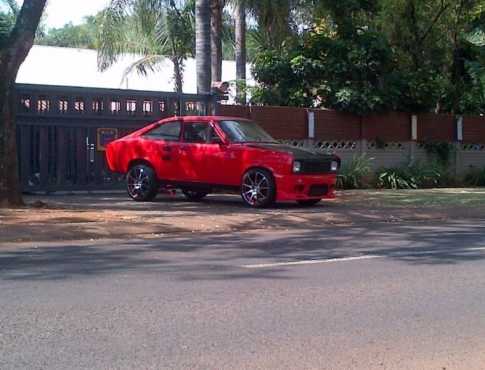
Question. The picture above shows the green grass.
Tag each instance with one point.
(416, 198)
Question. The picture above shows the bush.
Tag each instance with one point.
(396, 178)
(353, 174)
(476, 177)
(419, 175)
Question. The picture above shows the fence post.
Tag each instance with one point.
(414, 137)
(311, 125)
(459, 140)
(363, 140)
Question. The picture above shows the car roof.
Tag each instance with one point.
(202, 119)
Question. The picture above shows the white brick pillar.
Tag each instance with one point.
(414, 138)
(311, 125)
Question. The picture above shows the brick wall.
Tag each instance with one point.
(387, 127)
(436, 127)
(282, 122)
(292, 123)
(332, 125)
(474, 130)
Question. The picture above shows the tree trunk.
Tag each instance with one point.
(203, 46)
(178, 74)
(240, 10)
(216, 39)
(17, 47)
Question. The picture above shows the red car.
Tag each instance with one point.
(201, 154)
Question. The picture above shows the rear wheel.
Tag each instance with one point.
(142, 184)
(309, 202)
(195, 195)
(258, 188)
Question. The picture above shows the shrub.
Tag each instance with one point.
(354, 173)
(396, 178)
(475, 177)
(418, 175)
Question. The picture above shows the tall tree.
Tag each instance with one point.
(203, 45)
(216, 39)
(240, 50)
(15, 47)
(153, 29)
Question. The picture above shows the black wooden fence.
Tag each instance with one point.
(62, 131)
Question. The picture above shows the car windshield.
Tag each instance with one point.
(245, 132)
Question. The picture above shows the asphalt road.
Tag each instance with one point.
(374, 296)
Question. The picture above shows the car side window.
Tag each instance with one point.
(195, 132)
(169, 132)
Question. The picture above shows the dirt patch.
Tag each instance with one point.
(95, 216)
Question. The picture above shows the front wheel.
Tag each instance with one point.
(308, 202)
(142, 184)
(258, 189)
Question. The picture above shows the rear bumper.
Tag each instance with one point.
(305, 187)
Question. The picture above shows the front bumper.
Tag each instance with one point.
(305, 187)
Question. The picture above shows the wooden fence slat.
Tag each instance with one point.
(81, 165)
(25, 155)
(61, 156)
(44, 155)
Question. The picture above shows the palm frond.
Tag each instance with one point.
(149, 63)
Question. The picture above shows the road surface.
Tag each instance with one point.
(369, 296)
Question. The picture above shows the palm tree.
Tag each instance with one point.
(203, 45)
(217, 7)
(240, 50)
(154, 29)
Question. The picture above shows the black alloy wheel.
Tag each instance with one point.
(258, 189)
(142, 184)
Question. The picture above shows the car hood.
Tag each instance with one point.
(299, 154)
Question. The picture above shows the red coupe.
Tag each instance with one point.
(201, 154)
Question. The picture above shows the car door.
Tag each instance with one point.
(162, 148)
(205, 157)
(194, 150)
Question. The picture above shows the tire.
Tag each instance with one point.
(258, 189)
(308, 203)
(141, 183)
(194, 195)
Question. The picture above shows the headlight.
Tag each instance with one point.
(334, 166)
(296, 166)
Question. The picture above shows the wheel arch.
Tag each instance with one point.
(260, 167)
(139, 161)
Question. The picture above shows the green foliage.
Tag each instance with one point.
(364, 56)
(419, 175)
(354, 174)
(475, 177)
(8, 13)
(396, 178)
(80, 36)
(439, 150)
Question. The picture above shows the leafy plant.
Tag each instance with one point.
(354, 173)
(418, 175)
(475, 177)
(396, 178)
(440, 150)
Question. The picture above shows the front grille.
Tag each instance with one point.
(318, 190)
(308, 167)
